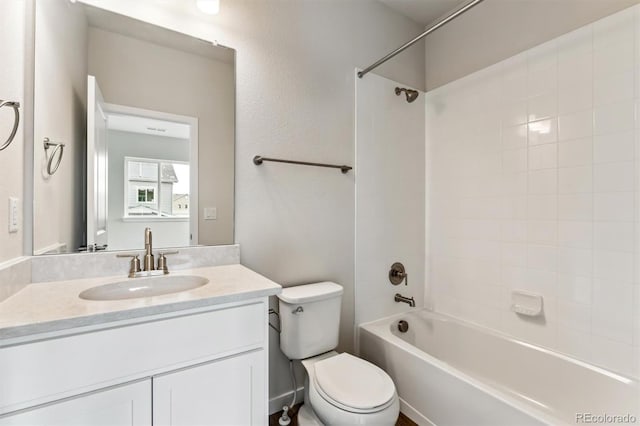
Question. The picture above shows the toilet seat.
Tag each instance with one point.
(353, 384)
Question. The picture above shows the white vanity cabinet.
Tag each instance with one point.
(121, 405)
(225, 392)
(204, 366)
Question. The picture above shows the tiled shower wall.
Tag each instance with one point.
(533, 170)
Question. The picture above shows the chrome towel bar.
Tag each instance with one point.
(258, 159)
(58, 149)
(16, 121)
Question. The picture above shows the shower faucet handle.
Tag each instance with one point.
(397, 274)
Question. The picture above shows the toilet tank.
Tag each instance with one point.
(309, 319)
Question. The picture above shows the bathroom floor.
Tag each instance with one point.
(273, 419)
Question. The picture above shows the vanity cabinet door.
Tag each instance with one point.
(127, 405)
(230, 391)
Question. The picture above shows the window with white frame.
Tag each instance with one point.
(156, 188)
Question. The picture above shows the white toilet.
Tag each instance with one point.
(340, 389)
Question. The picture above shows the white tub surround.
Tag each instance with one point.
(534, 180)
(390, 213)
(451, 372)
(56, 307)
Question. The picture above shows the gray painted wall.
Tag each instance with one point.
(498, 29)
(12, 79)
(60, 114)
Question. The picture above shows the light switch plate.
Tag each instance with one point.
(13, 215)
(210, 213)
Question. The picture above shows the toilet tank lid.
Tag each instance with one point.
(310, 292)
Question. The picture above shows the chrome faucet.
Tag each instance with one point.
(149, 264)
(408, 300)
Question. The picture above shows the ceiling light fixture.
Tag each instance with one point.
(210, 7)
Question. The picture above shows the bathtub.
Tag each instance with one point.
(449, 372)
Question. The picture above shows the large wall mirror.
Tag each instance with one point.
(134, 127)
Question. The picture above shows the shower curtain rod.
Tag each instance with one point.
(428, 31)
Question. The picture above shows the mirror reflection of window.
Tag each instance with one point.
(180, 190)
(143, 177)
(109, 87)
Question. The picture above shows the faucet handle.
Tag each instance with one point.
(166, 253)
(162, 260)
(127, 255)
(135, 263)
(397, 274)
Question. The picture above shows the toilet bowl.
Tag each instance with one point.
(341, 389)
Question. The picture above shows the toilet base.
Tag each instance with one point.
(306, 417)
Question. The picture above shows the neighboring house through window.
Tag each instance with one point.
(156, 188)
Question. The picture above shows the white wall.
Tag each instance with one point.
(390, 196)
(295, 99)
(535, 177)
(12, 52)
(60, 114)
(129, 235)
(498, 29)
(145, 75)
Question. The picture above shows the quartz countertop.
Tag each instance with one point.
(51, 307)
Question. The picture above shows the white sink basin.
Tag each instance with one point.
(135, 288)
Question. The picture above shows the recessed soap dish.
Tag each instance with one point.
(525, 303)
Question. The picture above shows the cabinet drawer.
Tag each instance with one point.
(44, 371)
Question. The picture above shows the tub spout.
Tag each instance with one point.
(408, 300)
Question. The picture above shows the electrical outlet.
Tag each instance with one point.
(13, 215)
(210, 213)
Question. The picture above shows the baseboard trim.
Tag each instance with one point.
(414, 414)
(277, 402)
